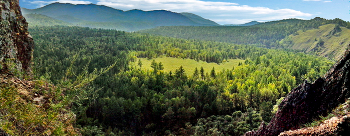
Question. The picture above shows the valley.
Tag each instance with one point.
(97, 70)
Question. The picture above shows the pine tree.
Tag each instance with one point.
(139, 63)
(212, 73)
(202, 73)
(196, 73)
(160, 66)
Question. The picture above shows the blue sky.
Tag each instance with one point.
(226, 11)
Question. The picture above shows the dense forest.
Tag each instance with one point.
(266, 34)
(113, 97)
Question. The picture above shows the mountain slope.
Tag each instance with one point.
(42, 20)
(327, 40)
(98, 16)
(199, 19)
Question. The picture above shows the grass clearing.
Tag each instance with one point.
(171, 64)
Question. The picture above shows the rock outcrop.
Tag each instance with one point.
(16, 45)
(311, 100)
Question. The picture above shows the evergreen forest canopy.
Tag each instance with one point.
(117, 98)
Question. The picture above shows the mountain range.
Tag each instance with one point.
(98, 16)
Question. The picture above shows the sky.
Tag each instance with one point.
(226, 11)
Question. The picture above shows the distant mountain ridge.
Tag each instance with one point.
(245, 24)
(98, 16)
(199, 19)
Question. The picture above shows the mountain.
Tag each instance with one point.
(250, 23)
(199, 19)
(98, 16)
(245, 24)
(327, 40)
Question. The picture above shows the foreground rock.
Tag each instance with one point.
(16, 45)
(311, 100)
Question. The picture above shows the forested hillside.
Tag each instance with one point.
(124, 99)
(328, 40)
(267, 34)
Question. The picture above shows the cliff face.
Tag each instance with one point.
(310, 100)
(16, 45)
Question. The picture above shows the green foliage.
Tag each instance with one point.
(275, 107)
(235, 125)
(266, 111)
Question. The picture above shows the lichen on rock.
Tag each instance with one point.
(16, 45)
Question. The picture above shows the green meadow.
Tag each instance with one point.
(171, 64)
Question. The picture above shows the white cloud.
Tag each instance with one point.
(43, 3)
(221, 12)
